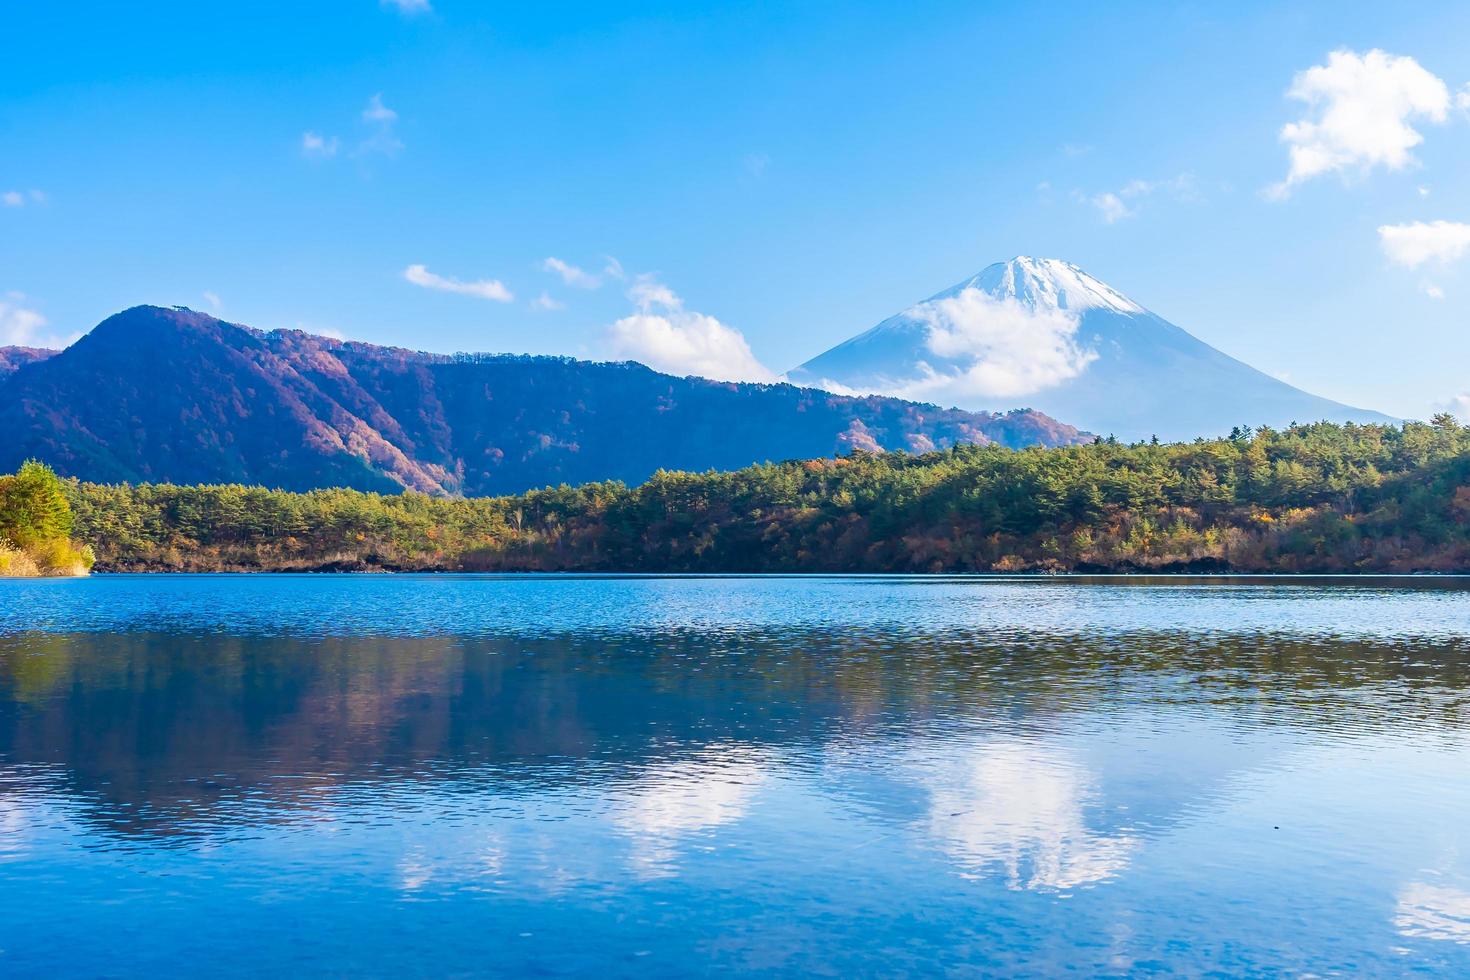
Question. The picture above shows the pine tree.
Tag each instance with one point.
(33, 506)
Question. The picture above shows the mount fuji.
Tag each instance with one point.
(1043, 333)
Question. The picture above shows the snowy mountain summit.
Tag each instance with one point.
(1046, 283)
(1042, 333)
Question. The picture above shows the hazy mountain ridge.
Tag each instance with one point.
(1088, 353)
(174, 395)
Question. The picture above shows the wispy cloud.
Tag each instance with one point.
(756, 164)
(383, 123)
(381, 139)
(316, 145)
(19, 199)
(665, 336)
(377, 112)
(213, 300)
(1114, 206)
(1362, 109)
(571, 274)
(409, 8)
(545, 304)
(491, 289)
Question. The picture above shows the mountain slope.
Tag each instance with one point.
(12, 359)
(1042, 332)
(174, 395)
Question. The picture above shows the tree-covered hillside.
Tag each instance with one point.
(155, 395)
(1322, 498)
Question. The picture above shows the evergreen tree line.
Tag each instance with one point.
(1310, 498)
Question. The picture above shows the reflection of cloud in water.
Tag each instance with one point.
(1019, 806)
(682, 799)
(1433, 912)
(14, 829)
(451, 862)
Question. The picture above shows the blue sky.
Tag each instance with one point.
(796, 172)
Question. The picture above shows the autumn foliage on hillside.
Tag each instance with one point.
(153, 395)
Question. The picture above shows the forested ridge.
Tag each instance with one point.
(155, 396)
(1311, 498)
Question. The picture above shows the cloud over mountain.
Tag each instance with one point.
(1043, 333)
(665, 336)
(1005, 349)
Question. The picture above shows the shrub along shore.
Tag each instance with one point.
(1311, 498)
(36, 526)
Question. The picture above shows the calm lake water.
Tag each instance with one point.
(663, 776)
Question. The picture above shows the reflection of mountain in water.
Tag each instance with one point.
(164, 734)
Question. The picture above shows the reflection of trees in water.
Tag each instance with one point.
(180, 733)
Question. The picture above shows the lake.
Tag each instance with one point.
(651, 776)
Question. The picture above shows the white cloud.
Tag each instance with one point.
(18, 325)
(570, 274)
(409, 8)
(1433, 291)
(997, 348)
(1415, 244)
(613, 269)
(317, 145)
(22, 327)
(669, 338)
(1361, 107)
(1459, 407)
(492, 289)
(544, 304)
(1111, 207)
(648, 293)
(213, 300)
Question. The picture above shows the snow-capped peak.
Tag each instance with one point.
(1045, 284)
